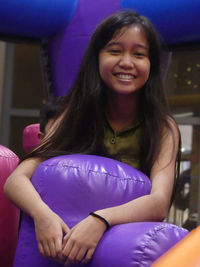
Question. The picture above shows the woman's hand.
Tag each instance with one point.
(80, 243)
(49, 228)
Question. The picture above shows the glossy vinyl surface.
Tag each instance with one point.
(75, 185)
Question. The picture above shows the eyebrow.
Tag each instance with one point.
(118, 43)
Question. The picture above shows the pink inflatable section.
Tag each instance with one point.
(9, 214)
(30, 137)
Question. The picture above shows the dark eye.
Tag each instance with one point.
(139, 54)
(114, 51)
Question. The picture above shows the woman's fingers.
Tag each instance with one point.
(88, 256)
(67, 249)
(41, 250)
(81, 254)
(80, 243)
(71, 258)
(65, 239)
(52, 248)
(47, 252)
(65, 228)
(49, 228)
(58, 248)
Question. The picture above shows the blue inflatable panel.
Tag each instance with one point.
(36, 18)
(177, 21)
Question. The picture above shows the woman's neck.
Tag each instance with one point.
(122, 110)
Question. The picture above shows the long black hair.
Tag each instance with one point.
(79, 127)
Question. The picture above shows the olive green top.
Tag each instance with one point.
(124, 145)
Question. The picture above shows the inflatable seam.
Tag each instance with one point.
(106, 173)
(126, 178)
(151, 235)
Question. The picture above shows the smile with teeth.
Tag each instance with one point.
(126, 77)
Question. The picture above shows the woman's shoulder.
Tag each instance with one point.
(28, 166)
(171, 125)
(171, 130)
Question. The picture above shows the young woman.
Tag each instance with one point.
(116, 108)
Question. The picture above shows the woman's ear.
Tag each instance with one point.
(40, 135)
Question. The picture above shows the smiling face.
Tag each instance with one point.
(124, 63)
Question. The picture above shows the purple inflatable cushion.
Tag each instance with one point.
(80, 184)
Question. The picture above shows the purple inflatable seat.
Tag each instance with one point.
(75, 185)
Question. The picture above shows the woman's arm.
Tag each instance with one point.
(20, 190)
(84, 237)
(49, 226)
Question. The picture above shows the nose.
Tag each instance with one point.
(126, 61)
